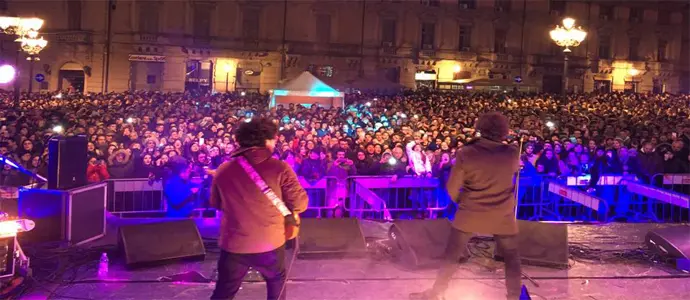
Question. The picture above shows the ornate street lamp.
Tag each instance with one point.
(20, 26)
(567, 37)
(26, 29)
(32, 46)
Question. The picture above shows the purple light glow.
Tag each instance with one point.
(7, 73)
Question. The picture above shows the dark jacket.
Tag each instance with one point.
(250, 222)
(484, 170)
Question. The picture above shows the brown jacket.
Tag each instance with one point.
(481, 182)
(250, 223)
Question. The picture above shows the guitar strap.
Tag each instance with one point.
(263, 187)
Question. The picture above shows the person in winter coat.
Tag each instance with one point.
(96, 171)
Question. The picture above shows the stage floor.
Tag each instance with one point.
(367, 278)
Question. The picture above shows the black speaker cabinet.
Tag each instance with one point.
(542, 244)
(331, 238)
(67, 159)
(420, 243)
(672, 242)
(162, 242)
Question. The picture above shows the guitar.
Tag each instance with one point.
(292, 221)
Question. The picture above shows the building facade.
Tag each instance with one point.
(178, 45)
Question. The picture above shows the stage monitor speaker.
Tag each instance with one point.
(331, 238)
(542, 244)
(161, 242)
(420, 243)
(67, 159)
(671, 242)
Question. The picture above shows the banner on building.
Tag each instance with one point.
(147, 58)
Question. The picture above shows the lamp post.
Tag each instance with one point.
(633, 72)
(32, 45)
(227, 68)
(567, 37)
(26, 29)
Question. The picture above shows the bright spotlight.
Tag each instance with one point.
(456, 69)
(392, 161)
(403, 116)
(248, 120)
(130, 120)
(368, 104)
(7, 73)
(550, 124)
(58, 129)
(243, 93)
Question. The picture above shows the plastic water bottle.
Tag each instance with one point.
(103, 265)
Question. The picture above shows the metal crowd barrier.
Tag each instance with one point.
(137, 195)
(323, 197)
(567, 203)
(654, 204)
(679, 183)
(380, 197)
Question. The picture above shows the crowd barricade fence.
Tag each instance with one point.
(572, 203)
(679, 183)
(540, 198)
(382, 197)
(661, 203)
(322, 196)
(135, 195)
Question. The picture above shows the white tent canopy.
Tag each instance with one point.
(306, 90)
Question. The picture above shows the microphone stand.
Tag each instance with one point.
(517, 201)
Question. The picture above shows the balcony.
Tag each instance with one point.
(202, 40)
(427, 53)
(147, 37)
(72, 37)
(300, 47)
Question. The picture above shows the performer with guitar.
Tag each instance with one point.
(260, 199)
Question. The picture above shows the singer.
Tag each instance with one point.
(481, 183)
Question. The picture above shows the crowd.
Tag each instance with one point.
(134, 134)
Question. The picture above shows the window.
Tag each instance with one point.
(502, 5)
(148, 17)
(151, 79)
(606, 12)
(664, 17)
(633, 50)
(500, 41)
(202, 20)
(557, 7)
(662, 48)
(636, 14)
(467, 4)
(428, 32)
(434, 3)
(323, 28)
(250, 24)
(74, 14)
(388, 28)
(465, 38)
(604, 46)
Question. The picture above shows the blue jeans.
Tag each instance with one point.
(232, 267)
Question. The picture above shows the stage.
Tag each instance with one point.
(377, 278)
